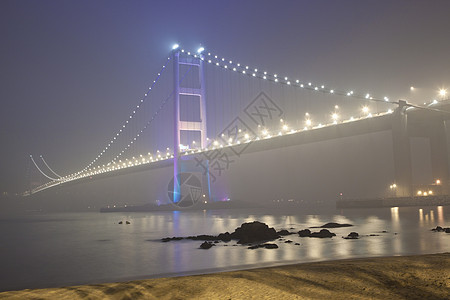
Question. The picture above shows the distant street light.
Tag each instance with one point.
(443, 93)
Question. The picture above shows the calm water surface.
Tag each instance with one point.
(48, 250)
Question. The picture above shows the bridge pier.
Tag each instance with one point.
(402, 152)
(439, 154)
(434, 130)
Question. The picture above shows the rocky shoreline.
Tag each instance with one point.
(256, 235)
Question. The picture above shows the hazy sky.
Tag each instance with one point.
(69, 69)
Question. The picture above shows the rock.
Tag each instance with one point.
(288, 241)
(225, 237)
(438, 229)
(374, 234)
(206, 245)
(202, 237)
(252, 247)
(304, 233)
(384, 231)
(324, 233)
(441, 229)
(271, 246)
(168, 239)
(120, 222)
(333, 225)
(127, 222)
(215, 242)
(352, 236)
(266, 246)
(254, 232)
(297, 244)
(284, 232)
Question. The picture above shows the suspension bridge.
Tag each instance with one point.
(203, 111)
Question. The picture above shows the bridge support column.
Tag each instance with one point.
(402, 152)
(189, 95)
(439, 155)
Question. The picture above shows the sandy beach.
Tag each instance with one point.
(407, 277)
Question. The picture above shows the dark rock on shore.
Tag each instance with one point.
(438, 229)
(247, 233)
(352, 236)
(333, 225)
(168, 239)
(304, 233)
(203, 237)
(206, 245)
(324, 233)
(441, 229)
(266, 246)
(254, 232)
(284, 232)
(225, 237)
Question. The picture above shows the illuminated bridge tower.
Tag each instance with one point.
(426, 124)
(189, 112)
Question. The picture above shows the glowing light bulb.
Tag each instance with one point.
(365, 109)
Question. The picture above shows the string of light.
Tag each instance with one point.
(51, 170)
(257, 73)
(42, 172)
(134, 139)
(125, 124)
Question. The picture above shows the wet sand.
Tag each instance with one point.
(407, 277)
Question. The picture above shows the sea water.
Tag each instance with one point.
(39, 250)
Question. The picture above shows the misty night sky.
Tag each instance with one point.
(70, 71)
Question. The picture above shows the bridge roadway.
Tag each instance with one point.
(418, 121)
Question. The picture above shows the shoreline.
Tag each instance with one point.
(413, 277)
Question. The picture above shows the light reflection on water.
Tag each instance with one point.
(61, 249)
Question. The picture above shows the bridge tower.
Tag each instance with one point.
(189, 91)
(431, 127)
(402, 151)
